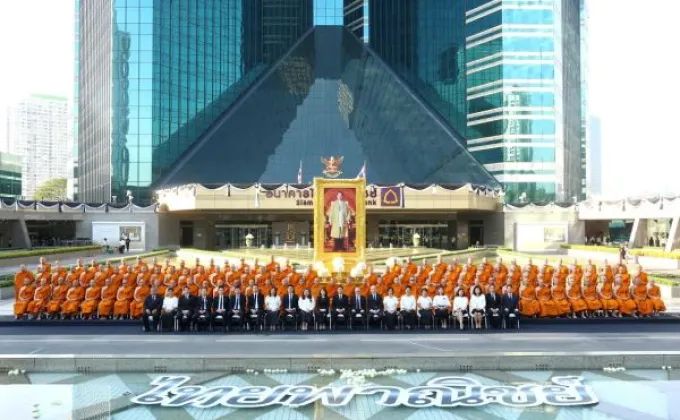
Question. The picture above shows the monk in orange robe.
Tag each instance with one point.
(528, 305)
(20, 276)
(606, 294)
(23, 298)
(578, 305)
(124, 295)
(41, 298)
(548, 307)
(626, 304)
(108, 296)
(645, 307)
(591, 297)
(625, 277)
(58, 298)
(559, 296)
(92, 296)
(138, 297)
(74, 296)
(654, 293)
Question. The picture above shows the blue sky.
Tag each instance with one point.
(634, 86)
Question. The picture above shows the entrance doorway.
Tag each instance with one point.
(234, 236)
(476, 232)
(186, 234)
(432, 235)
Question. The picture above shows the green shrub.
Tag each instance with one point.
(46, 251)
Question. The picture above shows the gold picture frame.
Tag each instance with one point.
(320, 253)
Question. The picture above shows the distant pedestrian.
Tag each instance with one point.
(127, 243)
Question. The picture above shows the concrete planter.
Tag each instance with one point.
(33, 260)
(646, 262)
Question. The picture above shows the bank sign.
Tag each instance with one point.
(443, 392)
(375, 196)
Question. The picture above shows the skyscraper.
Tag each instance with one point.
(244, 90)
(38, 132)
(524, 87)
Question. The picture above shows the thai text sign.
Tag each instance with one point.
(305, 197)
(443, 392)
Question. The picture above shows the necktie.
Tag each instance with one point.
(256, 301)
(290, 301)
(374, 298)
(220, 306)
(237, 301)
(205, 303)
(357, 303)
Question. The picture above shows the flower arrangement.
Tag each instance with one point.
(339, 264)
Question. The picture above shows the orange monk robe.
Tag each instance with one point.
(607, 297)
(515, 275)
(92, 296)
(332, 289)
(137, 303)
(448, 289)
(23, 298)
(19, 280)
(193, 289)
(560, 298)
(431, 290)
(72, 277)
(372, 279)
(124, 296)
(410, 269)
(627, 305)
(72, 303)
(625, 280)
(116, 280)
(643, 278)
(528, 305)
(264, 289)
(398, 290)
(590, 296)
(575, 299)
(422, 277)
(282, 291)
(548, 307)
(654, 293)
(58, 298)
(41, 298)
(316, 290)
(608, 272)
(365, 289)
(105, 307)
(308, 278)
(645, 306)
(485, 269)
(501, 277)
(299, 288)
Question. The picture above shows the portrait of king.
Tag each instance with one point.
(340, 212)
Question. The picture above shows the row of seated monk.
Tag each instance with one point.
(546, 291)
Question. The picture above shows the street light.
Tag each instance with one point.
(129, 196)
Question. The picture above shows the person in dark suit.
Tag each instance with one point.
(220, 310)
(237, 303)
(510, 308)
(290, 307)
(358, 307)
(152, 310)
(494, 307)
(255, 309)
(202, 315)
(185, 309)
(340, 305)
(374, 306)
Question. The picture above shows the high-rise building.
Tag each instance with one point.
(38, 132)
(524, 119)
(172, 92)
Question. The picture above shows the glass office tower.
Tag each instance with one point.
(524, 118)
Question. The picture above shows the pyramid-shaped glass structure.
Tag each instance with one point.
(329, 96)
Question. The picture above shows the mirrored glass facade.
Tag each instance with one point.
(10, 175)
(524, 95)
(330, 96)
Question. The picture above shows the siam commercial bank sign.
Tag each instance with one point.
(375, 196)
(444, 392)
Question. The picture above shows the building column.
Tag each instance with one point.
(638, 234)
(673, 241)
(19, 234)
(462, 234)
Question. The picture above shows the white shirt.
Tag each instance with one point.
(441, 301)
(407, 303)
(272, 303)
(390, 303)
(460, 303)
(306, 305)
(477, 302)
(424, 302)
(170, 304)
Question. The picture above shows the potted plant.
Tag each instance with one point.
(249, 240)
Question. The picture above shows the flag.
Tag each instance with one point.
(300, 174)
(362, 172)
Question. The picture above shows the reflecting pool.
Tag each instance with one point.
(514, 395)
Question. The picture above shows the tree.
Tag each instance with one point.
(52, 190)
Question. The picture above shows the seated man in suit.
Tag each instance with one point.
(255, 309)
(290, 307)
(374, 306)
(340, 305)
(510, 304)
(358, 305)
(220, 309)
(185, 309)
(152, 310)
(494, 307)
(202, 315)
(237, 304)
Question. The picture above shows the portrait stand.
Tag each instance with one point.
(332, 241)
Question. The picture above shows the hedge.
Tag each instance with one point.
(46, 251)
(8, 279)
(654, 253)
